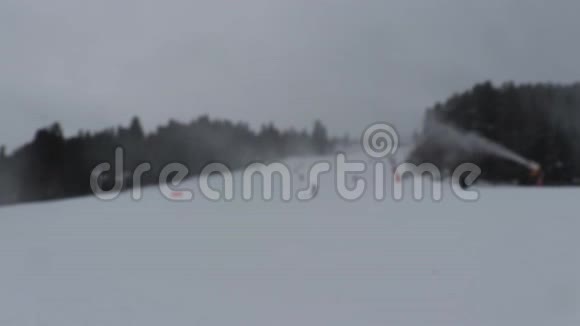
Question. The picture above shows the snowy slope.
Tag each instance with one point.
(509, 259)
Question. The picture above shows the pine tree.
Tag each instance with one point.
(320, 137)
(136, 130)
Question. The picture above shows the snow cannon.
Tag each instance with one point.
(535, 169)
(536, 172)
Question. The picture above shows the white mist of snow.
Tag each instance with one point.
(471, 142)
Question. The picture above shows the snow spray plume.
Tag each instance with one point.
(469, 143)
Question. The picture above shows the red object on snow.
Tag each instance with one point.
(540, 180)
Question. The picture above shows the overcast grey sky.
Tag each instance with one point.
(348, 62)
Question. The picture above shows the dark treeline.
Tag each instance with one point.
(53, 166)
(540, 122)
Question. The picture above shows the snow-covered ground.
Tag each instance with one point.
(512, 258)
